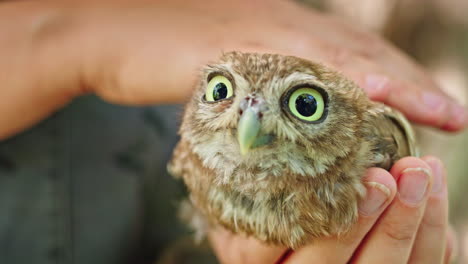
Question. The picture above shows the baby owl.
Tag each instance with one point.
(275, 147)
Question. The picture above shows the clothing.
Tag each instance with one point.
(89, 185)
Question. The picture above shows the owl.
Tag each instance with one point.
(275, 147)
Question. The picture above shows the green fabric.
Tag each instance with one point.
(89, 185)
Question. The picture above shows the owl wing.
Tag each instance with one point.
(177, 165)
(392, 136)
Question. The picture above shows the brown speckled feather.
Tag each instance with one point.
(306, 180)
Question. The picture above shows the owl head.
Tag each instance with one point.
(276, 146)
(264, 116)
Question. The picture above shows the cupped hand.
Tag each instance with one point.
(403, 219)
(191, 33)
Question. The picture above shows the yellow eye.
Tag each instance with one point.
(306, 104)
(218, 88)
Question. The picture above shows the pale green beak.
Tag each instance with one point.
(248, 129)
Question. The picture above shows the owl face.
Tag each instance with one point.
(275, 114)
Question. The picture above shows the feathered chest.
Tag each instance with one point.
(282, 159)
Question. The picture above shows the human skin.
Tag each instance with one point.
(399, 231)
(144, 52)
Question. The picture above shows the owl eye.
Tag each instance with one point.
(306, 104)
(218, 88)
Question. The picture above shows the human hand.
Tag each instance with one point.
(142, 52)
(403, 219)
(284, 27)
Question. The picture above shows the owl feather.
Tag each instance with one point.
(276, 146)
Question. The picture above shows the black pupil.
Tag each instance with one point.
(306, 104)
(220, 91)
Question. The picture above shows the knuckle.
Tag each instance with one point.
(46, 27)
(370, 46)
(398, 87)
(398, 232)
(339, 56)
(434, 224)
(252, 44)
(369, 51)
(436, 214)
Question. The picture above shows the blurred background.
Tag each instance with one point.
(114, 190)
(435, 34)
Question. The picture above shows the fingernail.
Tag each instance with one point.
(437, 172)
(375, 83)
(377, 194)
(433, 101)
(459, 114)
(413, 185)
(458, 118)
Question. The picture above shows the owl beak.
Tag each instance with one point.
(248, 129)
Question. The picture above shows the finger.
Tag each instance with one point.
(452, 246)
(422, 105)
(238, 249)
(430, 242)
(391, 238)
(381, 189)
(458, 120)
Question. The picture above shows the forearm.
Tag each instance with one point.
(148, 52)
(53, 52)
(30, 88)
